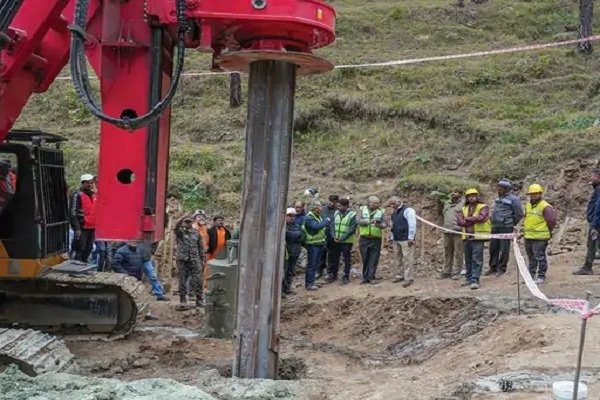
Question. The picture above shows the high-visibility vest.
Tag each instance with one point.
(484, 227)
(319, 237)
(371, 230)
(535, 225)
(342, 225)
(88, 206)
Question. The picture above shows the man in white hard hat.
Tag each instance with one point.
(294, 238)
(82, 212)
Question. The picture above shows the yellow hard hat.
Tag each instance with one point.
(535, 188)
(471, 191)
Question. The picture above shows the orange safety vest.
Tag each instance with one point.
(88, 206)
(203, 232)
(221, 243)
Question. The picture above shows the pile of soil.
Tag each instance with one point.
(407, 330)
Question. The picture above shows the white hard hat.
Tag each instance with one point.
(291, 211)
(87, 177)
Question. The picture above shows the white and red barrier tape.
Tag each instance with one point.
(425, 59)
(579, 305)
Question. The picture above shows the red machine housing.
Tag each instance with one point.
(133, 70)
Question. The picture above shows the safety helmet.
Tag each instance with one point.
(471, 191)
(87, 178)
(291, 211)
(535, 188)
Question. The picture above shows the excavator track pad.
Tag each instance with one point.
(90, 305)
(34, 352)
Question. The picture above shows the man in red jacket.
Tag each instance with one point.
(82, 212)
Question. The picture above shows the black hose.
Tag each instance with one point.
(80, 75)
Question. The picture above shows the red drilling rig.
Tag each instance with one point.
(136, 49)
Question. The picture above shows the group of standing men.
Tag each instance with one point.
(129, 258)
(472, 216)
(195, 244)
(328, 234)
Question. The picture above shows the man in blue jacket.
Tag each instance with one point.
(135, 261)
(593, 218)
(315, 230)
(508, 212)
(294, 237)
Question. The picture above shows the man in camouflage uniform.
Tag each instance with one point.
(190, 257)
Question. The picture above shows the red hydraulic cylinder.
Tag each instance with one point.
(130, 202)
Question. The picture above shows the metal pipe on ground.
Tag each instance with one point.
(269, 130)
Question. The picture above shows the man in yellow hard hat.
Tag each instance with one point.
(474, 218)
(540, 220)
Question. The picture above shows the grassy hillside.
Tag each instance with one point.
(476, 119)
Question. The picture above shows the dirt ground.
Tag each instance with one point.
(433, 340)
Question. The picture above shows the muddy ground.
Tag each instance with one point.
(433, 340)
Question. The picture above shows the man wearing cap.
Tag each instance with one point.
(593, 218)
(314, 229)
(453, 246)
(218, 235)
(200, 225)
(371, 223)
(475, 222)
(294, 237)
(539, 222)
(342, 234)
(507, 213)
(404, 229)
(8, 184)
(328, 211)
(82, 212)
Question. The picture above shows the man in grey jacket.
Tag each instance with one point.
(508, 212)
(453, 244)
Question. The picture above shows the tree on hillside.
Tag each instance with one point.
(586, 13)
(235, 90)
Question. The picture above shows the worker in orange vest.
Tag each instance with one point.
(82, 212)
(218, 236)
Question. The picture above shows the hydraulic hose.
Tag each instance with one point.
(80, 75)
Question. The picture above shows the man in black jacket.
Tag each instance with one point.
(328, 211)
(508, 212)
(218, 235)
(294, 237)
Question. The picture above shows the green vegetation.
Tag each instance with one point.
(442, 183)
(507, 115)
